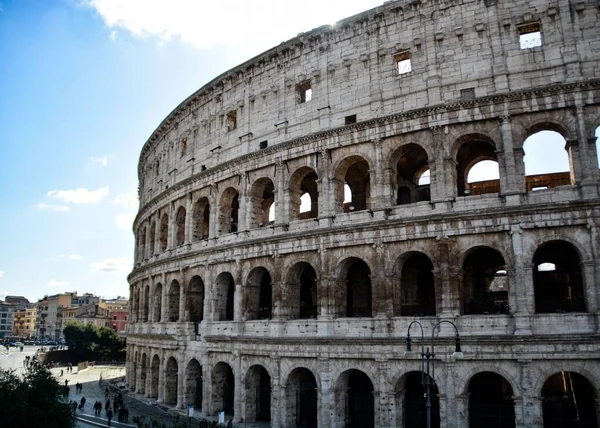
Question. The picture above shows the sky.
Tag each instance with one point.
(83, 84)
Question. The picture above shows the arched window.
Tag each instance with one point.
(546, 161)
(258, 295)
(195, 300)
(263, 199)
(304, 195)
(302, 284)
(223, 389)
(171, 379)
(225, 289)
(490, 401)
(412, 174)
(154, 373)
(142, 255)
(146, 306)
(258, 394)
(229, 209)
(557, 279)
(301, 399)
(354, 399)
(173, 302)
(193, 380)
(484, 283)
(354, 172)
(180, 226)
(417, 287)
(164, 232)
(477, 168)
(411, 400)
(201, 219)
(152, 238)
(569, 400)
(157, 304)
(355, 275)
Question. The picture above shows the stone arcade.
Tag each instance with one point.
(300, 210)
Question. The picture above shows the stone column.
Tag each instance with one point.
(377, 195)
(163, 299)
(208, 312)
(245, 209)
(519, 422)
(237, 302)
(180, 386)
(325, 200)
(239, 386)
(511, 179)
(206, 387)
(588, 268)
(573, 149)
(325, 400)
(447, 280)
(161, 378)
(147, 253)
(183, 313)
(276, 399)
(523, 284)
(449, 397)
(188, 220)
(462, 411)
(157, 249)
(171, 227)
(281, 201)
(213, 214)
(443, 184)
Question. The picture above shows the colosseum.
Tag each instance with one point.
(305, 212)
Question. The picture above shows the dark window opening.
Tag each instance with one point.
(530, 36)
(569, 401)
(231, 120)
(358, 290)
(304, 92)
(349, 120)
(417, 287)
(485, 285)
(263, 144)
(490, 402)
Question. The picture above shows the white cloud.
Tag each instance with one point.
(51, 207)
(79, 196)
(98, 161)
(112, 265)
(55, 283)
(206, 24)
(124, 221)
(128, 200)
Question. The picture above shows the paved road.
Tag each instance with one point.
(13, 359)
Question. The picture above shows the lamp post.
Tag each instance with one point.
(427, 356)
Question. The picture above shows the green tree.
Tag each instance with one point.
(80, 338)
(109, 344)
(33, 400)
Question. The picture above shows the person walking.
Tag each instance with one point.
(109, 416)
(107, 406)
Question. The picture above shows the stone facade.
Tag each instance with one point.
(261, 289)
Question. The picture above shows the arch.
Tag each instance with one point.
(222, 388)
(557, 278)
(157, 303)
(411, 401)
(146, 304)
(201, 219)
(152, 238)
(154, 373)
(173, 301)
(354, 287)
(303, 182)
(258, 294)
(301, 399)
(180, 226)
(164, 232)
(473, 149)
(354, 401)
(303, 292)
(353, 171)
(225, 289)
(491, 401)
(569, 400)
(417, 286)
(484, 282)
(195, 300)
(143, 373)
(138, 305)
(171, 380)
(262, 197)
(410, 162)
(193, 384)
(546, 158)
(258, 394)
(229, 207)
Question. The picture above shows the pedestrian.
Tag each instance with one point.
(66, 382)
(82, 403)
(81, 387)
(61, 372)
(106, 393)
(115, 406)
(107, 406)
(109, 416)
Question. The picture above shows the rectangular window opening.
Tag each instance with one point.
(304, 92)
(402, 61)
(349, 120)
(530, 36)
(231, 120)
(263, 144)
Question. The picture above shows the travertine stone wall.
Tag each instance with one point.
(240, 312)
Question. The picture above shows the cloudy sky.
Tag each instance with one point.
(83, 84)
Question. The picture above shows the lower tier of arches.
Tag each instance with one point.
(368, 392)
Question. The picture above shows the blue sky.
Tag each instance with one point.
(83, 83)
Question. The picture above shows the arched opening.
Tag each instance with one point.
(417, 286)
(180, 226)
(258, 295)
(546, 161)
(201, 219)
(223, 389)
(225, 289)
(484, 283)
(491, 402)
(569, 401)
(146, 307)
(302, 298)
(557, 279)
(262, 199)
(411, 166)
(173, 302)
(301, 399)
(229, 210)
(354, 172)
(164, 232)
(171, 379)
(304, 195)
(157, 304)
(193, 384)
(134, 371)
(195, 299)
(411, 400)
(143, 374)
(142, 255)
(152, 238)
(138, 306)
(477, 168)
(258, 394)
(358, 288)
(154, 372)
(355, 401)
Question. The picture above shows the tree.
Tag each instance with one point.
(109, 344)
(89, 341)
(33, 400)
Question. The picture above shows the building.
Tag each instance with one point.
(7, 313)
(299, 212)
(118, 312)
(20, 302)
(87, 314)
(24, 322)
(49, 315)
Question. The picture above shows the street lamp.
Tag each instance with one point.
(426, 356)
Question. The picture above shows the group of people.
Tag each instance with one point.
(78, 387)
(118, 407)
